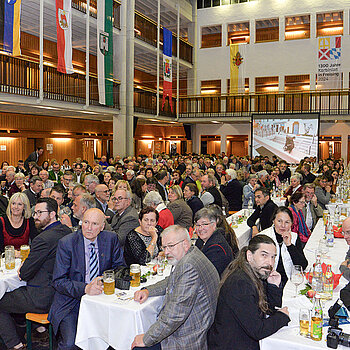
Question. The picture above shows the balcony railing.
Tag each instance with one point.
(325, 102)
(146, 102)
(21, 77)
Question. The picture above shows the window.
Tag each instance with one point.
(329, 24)
(297, 27)
(266, 84)
(238, 33)
(267, 30)
(297, 82)
(210, 87)
(211, 36)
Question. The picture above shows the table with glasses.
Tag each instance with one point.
(242, 231)
(115, 320)
(288, 338)
(9, 279)
(341, 207)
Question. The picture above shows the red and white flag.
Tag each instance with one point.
(64, 36)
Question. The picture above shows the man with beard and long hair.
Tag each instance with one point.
(36, 270)
(250, 290)
(190, 297)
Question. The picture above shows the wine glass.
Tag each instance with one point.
(297, 277)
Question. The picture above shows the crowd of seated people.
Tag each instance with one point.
(139, 198)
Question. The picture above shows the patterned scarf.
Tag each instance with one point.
(303, 229)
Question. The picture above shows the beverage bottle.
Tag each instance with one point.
(317, 282)
(250, 205)
(328, 283)
(316, 319)
(330, 236)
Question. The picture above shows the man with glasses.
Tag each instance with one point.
(211, 240)
(126, 218)
(36, 270)
(312, 211)
(345, 265)
(323, 191)
(190, 297)
(102, 197)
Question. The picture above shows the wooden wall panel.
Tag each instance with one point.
(15, 149)
(159, 131)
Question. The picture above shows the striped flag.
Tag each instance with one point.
(64, 36)
(105, 51)
(10, 18)
(167, 67)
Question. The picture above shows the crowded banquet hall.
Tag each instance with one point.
(174, 174)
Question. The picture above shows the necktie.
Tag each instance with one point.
(93, 262)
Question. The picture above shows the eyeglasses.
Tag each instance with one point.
(171, 246)
(117, 199)
(39, 212)
(203, 225)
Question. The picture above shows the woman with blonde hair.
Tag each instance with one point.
(17, 226)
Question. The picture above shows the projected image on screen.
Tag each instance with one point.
(288, 138)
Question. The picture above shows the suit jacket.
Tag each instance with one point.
(316, 213)
(124, 223)
(31, 196)
(195, 204)
(182, 213)
(38, 267)
(189, 304)
(217, 250)
(233, 191)
(33, 157)
(265, 215)
(69, 273)
(82, 177)
(161, 191)
(239, 323)
(53, 177)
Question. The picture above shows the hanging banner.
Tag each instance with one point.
(64, 36)
(105, 51)
(329, 63)
(237, 68)
(167, 67)
(10, 20)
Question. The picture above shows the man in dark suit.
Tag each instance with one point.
(162, 178)
(241, 316)
(264, 211)
(33, 192)
(232, 190)
(126, 217)
(33, 157)
(102, 197)
(36, 270)
(81, 258)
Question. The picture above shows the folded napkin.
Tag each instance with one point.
(337, 231)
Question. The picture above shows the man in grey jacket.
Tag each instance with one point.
(190, 300)
(312, 210)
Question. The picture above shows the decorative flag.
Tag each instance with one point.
(237, 68)
(64, 36)
(167, 67)
(105, 51)
(329, 63)
(10, 18)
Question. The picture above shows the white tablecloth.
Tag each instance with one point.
(9, 279)
(243, 231)
(279, 201)
(104, 321)
(331, 207)
(288, 338)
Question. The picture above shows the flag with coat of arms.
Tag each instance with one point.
(167, 67)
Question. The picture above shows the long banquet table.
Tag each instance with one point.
(288, 338)
(105, 320)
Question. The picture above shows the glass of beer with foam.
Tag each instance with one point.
(108, 282)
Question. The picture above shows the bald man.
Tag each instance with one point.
(345, 265)
(102, 197)
(81, 259)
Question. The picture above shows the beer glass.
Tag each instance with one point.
(108, 282)
(24, 251)
(161, 265)
(304, 321)
(9, 257)
(135, 273)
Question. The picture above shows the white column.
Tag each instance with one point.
(252, 31)
(41, 48)
(119, 122)
(87, 59)
(223, 144)
(130, 40)
(313, 25)
(282, 25)
(193, 38)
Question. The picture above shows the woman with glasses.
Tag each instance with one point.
(17, 226)
(182, 213)
(143, 244)
(323, 190)
(288, 244)
(299, 226)
(211, 240)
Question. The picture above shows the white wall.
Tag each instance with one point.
(281, 58)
